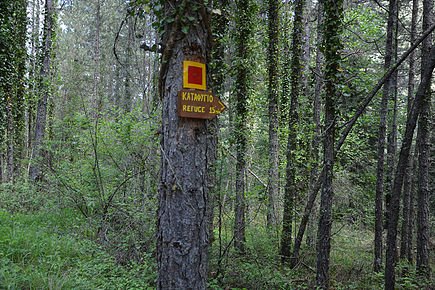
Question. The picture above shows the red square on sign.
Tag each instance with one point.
(194, 75)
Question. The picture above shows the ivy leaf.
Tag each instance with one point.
(216, 11)
(185, 29)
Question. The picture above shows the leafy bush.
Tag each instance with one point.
(21, 197)
(108, 170)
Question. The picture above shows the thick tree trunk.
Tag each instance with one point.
(273, 182)
(182, 237)
(332, 31)
(35, 171)
(428, 67)
(296, 84)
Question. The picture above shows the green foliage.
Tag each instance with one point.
(22, 197)
(51, 243)
(107, 171)
(12, 76)
(258, 269)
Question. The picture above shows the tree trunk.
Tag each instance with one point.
(296, 84)
(182, 237)
(96, 101)
(245, 32)
(10, 138)
(35, 170)
(273, 182)
(312, 193)
(393, 91)
(406, 236)
(219, 25)
(386, 94)
(428, 67)
(423, 143)
(1, 167)
(332, 44)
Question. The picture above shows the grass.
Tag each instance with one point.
(47, 250)
(41, 249)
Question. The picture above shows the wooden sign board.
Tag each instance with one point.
(199, 104)
(194, 75)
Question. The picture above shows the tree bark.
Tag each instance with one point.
(273, 182)
(386, 93)
(406, 236)
(332, 44)
(423, 143)
(220, 24)
(10, 164)
(312, 193)
(429, 64)
(244, 25)
(35, 170)
(182, 237)
(293, 117)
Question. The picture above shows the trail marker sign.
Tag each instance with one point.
(199, 104)
(194, 75)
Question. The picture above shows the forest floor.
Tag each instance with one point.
(54, 250)
(57, 250)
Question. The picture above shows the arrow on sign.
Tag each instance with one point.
(199, 104)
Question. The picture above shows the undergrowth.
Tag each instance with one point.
(48, 250)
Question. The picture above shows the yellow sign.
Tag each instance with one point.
(199, 104)
(194, 75)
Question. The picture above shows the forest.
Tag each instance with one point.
(217, 144)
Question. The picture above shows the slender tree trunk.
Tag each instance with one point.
(312, 193)
(296, 84)
(10, 139)
(245, 32)
(35, 170)
(273, 186)
(386, 93)
(353, 120)
(411, 224)
(393, 91)
(428, 67)
(127, 103)
(1, 167)
(306, 47)
(218, 85)
(332, 44)
(33, 75)
(182, 237)
(423, 143)
(406, 236)
(96, 101)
